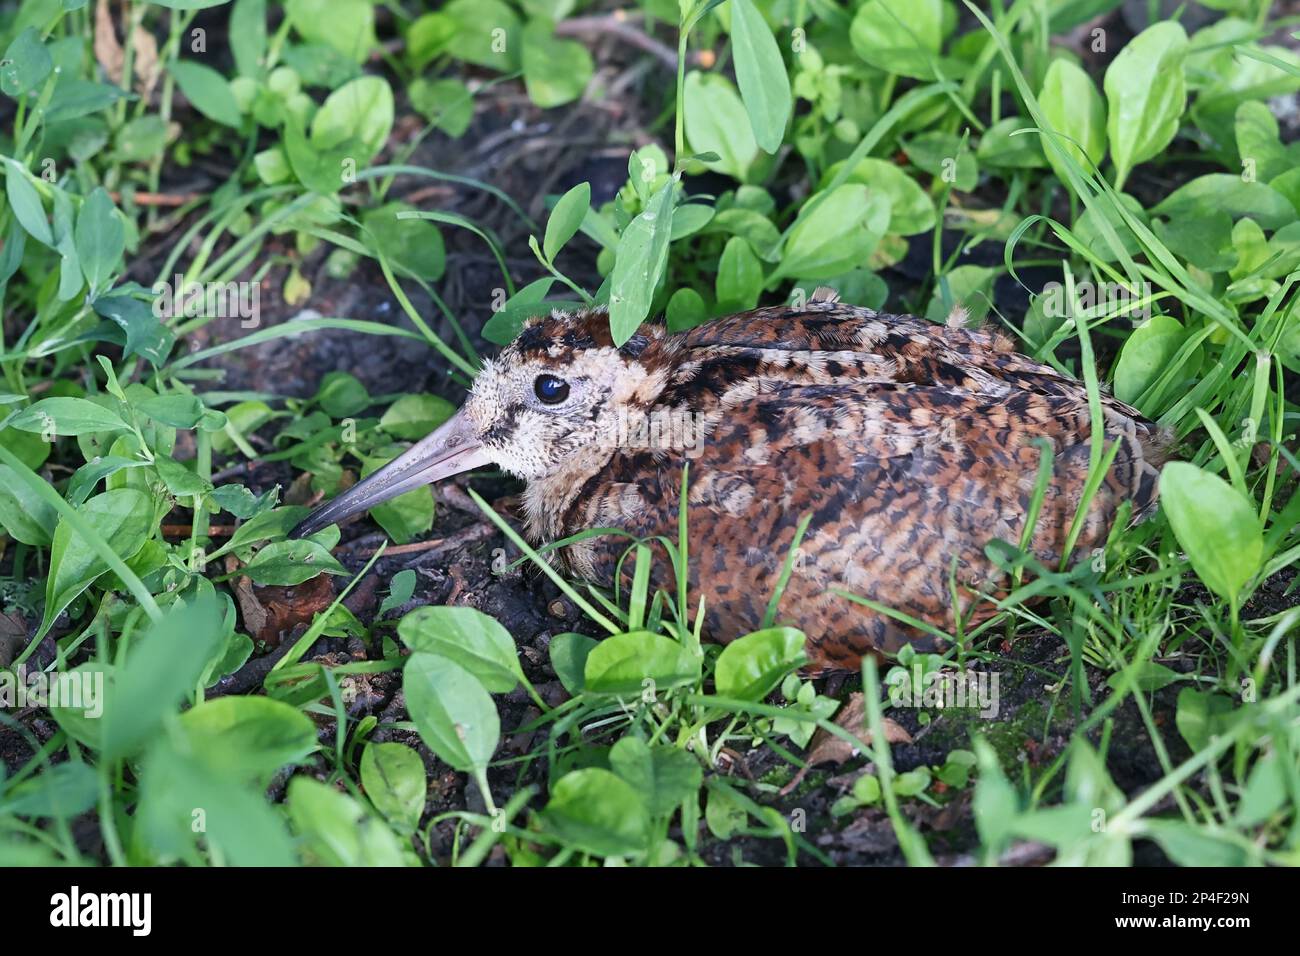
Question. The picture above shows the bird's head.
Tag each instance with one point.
(561, 389)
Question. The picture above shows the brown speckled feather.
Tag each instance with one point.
(910, 445)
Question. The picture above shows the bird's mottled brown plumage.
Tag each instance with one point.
(910, 445)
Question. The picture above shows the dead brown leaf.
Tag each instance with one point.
(112, 57)
(251, 610)
(108, 52)
(828, 748)
(287, 607)
(13, 637)
(145, 65)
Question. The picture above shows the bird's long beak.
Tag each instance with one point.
(451, 448)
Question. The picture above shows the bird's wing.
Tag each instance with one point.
(905, 484)
(838, 342)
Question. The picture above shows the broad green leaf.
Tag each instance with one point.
(360, 112)
(75, 98)
(400, 589)
(26, 64)
(177, 410)
(248, 738)
(26, 516)
(100, 238)
(241, 502)
(899, 36)
(161, 669)
(569, 653)
(26, 204)
(943, 155)
(1265, 793)
(565, 219)
(1216, 525)
(716, 122)
(1058, 826)
(1149, 676)
(598, 812)
(506, 324)
(393, 777)
(179, 480)
(740, 277)
(1189, 845)
(83, 699)
(968, 286)
(1201, 715)
(321, 169)
(63, 791)
(1072, 105)
(411, 246)
(1004, 146)
(1145, 95)
(1231, 194)
(208, 91)
(273, 525)
(406, 516)
(430, 36)
(836, 235)
(337, 830)
(144, 334)
(245, 418)
(1146, 353)
(750, 667)
(487, 33)
(183, 800)
(140, 139)
(413, 416)
(641, 260)
(454, 715)
(67, 416)
(761, 75)
(911, 210)
(347, 26)
(555, 71)
(725, 815)
(663, 775)
(286, 563)
(123, 518)
(70, 278)
(685, 310)
(248, 36)
(690, 218)
(751, 225)
(638, 662)
(446, 103)
(1258, 144)
(469, 637)
(1088, 230)
(995, 803)
(1203, 238)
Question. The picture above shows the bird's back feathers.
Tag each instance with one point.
(910, 445)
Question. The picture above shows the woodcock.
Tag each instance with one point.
(911, 446)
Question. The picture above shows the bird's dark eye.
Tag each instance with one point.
(550, 389)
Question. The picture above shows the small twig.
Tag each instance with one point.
(413, 548)
(184, 530)
(158, 199)
(242, 468)
(437, 190)
(455, 542)
(618, 24)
